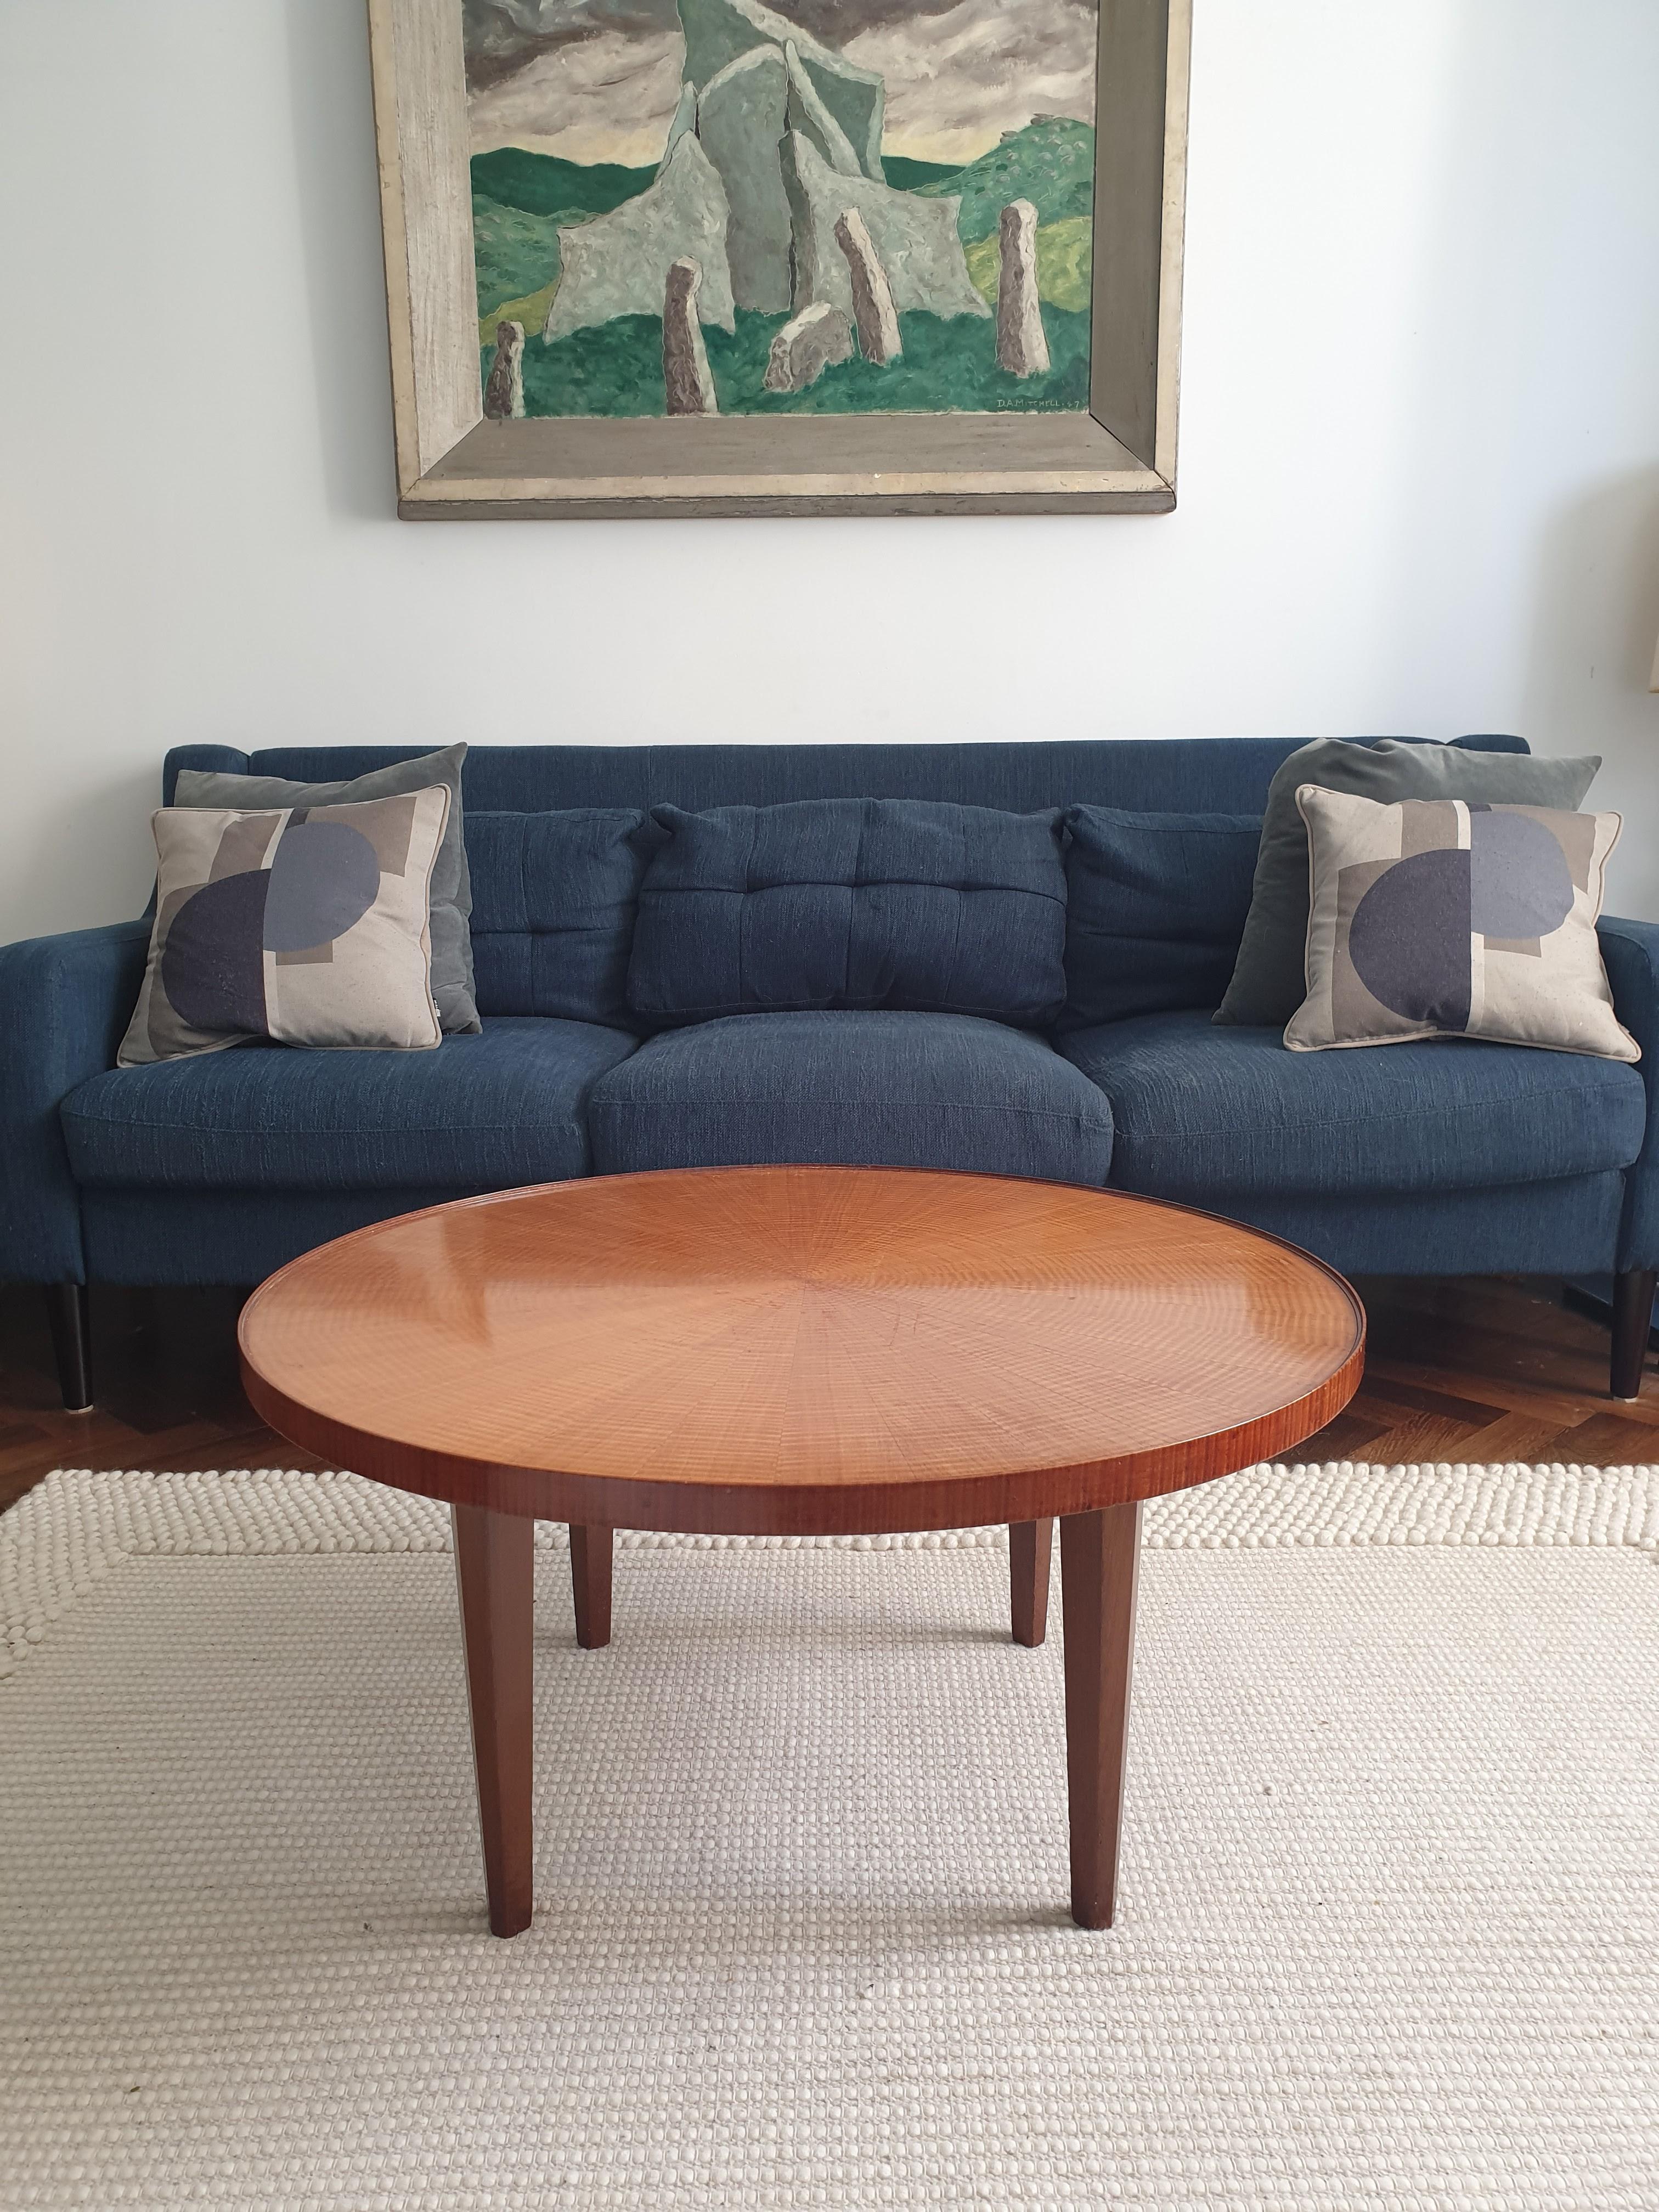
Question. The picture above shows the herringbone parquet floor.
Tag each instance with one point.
(1465, 1369)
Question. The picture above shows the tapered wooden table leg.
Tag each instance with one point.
(589, 1581)
(1099, 1561)
(1031, 1545)
(494, 1568)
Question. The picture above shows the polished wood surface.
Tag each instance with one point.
(1466, 1368)
(798, 1350)
(1099, 1569)
(1030, 1550)
(495, 1574)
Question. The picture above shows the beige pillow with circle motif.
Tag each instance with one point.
(309, 926)
(1434, 918)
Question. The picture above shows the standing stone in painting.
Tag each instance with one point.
(618, 263)
(740, 119)
(808, 114)
(812, 341)
(685, 120)
(686, 376)
(503, 399)
(1022, 342)
(717, 31)
(872, 295)
(916, 240)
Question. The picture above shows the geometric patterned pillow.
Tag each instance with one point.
(1442, 918)
(308, 926)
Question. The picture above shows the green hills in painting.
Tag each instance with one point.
(521, 200)
(541, 184)
(1051, 163)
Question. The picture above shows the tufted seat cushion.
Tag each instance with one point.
(485, 1111)
(1207, 1115)
(858, 1089)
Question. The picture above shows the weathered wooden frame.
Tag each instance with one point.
(1119, 458)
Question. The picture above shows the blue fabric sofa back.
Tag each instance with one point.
(554, 902)
(1201, 775)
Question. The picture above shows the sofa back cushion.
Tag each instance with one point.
(1155, 907)
(553, 901)
(1208, 776)
(1212, 775)
(851, 903)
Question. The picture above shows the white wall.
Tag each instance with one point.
(1419, 469)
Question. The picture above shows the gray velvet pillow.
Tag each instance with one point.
(453, 988)
(1270, 975)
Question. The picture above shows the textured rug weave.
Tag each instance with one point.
(1389, 1928)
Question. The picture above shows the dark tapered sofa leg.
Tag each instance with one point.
(71, 1343)
(1632, 1317)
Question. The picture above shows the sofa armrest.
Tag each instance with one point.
(64, 1002)
(1630, 950)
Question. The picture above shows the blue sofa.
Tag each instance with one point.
(1418, 1158)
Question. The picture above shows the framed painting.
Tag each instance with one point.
(713, 256)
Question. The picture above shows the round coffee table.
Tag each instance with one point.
(801, 1351)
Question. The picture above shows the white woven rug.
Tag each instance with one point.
(1389, 1931)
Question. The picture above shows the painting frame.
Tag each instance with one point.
(454, 464)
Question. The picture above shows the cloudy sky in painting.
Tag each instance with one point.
(598, 80)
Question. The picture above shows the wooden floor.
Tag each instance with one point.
(1470, 1369)
(169, 1394)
